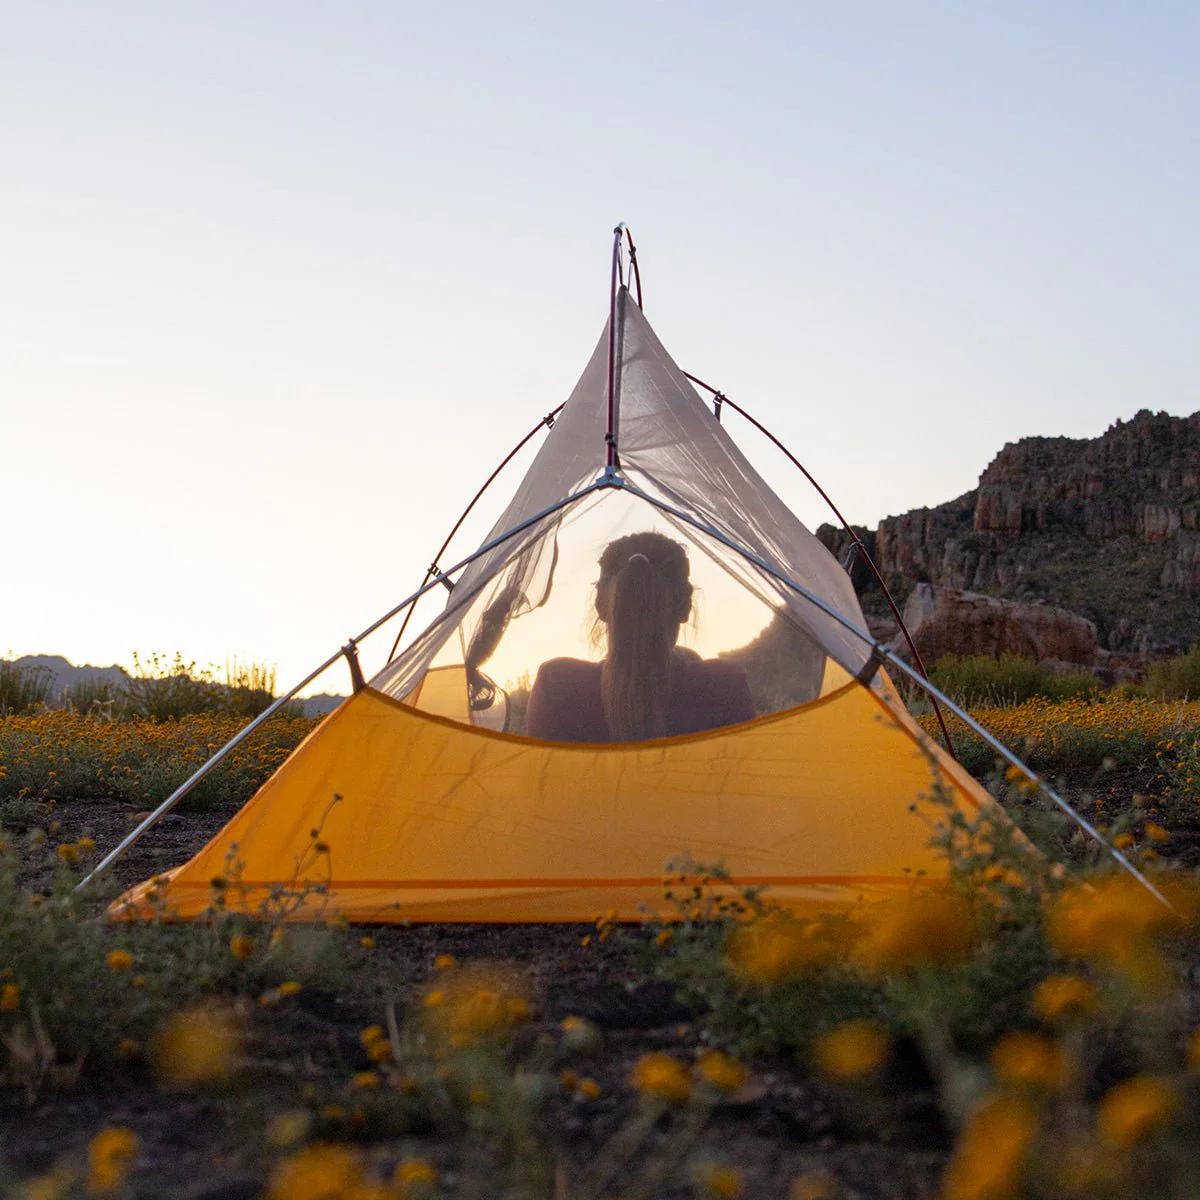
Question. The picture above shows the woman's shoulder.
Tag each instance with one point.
(567, 671)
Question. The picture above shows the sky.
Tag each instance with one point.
(280, 284)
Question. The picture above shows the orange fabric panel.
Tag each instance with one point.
(439, 821)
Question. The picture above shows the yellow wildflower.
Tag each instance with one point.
(991, 1152)
(1193, 1051)
(321, 1172)
(722, 1072)
(241, 947)
(775, 947)
(367, 942)
(662, 1077)
(68, 852)
(380, 1051)
(370, 1035)
(86, 845)
(444, 962)
(1132, 1110)
(197, 1045)
(1123, 841)
(1060, 997)
(10, 997)
(414, 1177)
(725, 1183)
(927, 930)
(288, 1128)
(119, 960)
(589, 1088)
(366, 1079)
(813, 1185)
(289, 988)
(1156, 833)
(850, 1050)
(110, 1155)
(1030, 1060)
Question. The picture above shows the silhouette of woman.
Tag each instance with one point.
(646, 687)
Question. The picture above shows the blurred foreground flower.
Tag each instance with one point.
(724, 1183)
(198, 1045)
(476, 1004)
(933, 929)
(772, 948)
(1061, 997)
(850, 1050)
(414, 1177)
(991, 1152)
(722, 1072)
(1132, 1110)
(1114, 921)
(322, 1172)
(1030, 1060)
(662, 1077)
(111, 1153)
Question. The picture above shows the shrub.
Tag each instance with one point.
(1175, 678)
(22, 688)
(164, 691)
(1008, 680)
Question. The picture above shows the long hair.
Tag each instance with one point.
(643, 596)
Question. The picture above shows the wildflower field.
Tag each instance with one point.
(1031, 1029)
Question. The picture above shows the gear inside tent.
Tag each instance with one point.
(648, 659)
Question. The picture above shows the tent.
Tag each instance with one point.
(421, 798)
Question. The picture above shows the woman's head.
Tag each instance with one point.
(643, 596)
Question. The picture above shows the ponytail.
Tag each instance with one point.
(645, 603)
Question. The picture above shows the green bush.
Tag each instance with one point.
(22, 688)
(979, 680)
(1175, 678)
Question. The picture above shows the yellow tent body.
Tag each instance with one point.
(825, 805)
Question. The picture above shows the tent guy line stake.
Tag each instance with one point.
(184, 788)
(895, 660)
(720, 399)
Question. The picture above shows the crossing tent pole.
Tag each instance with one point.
(882, 653)
(184, 788)
(433, 570)
(720, 399)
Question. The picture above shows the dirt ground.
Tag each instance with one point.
(783, 1125)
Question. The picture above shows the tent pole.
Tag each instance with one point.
(882, 652)
(610, 435)
(434, 569)
(184, 788)
(720, 399)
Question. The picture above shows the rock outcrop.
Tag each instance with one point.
(950, 621)
(1106, 528)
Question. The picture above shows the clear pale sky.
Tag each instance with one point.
(281, 283)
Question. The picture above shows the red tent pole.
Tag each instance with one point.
(855, 540)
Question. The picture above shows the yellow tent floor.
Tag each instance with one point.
(437, 821)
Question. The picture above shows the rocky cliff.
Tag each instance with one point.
(1108, 528)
